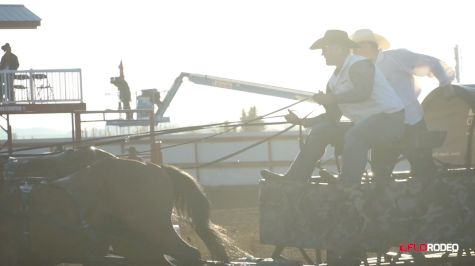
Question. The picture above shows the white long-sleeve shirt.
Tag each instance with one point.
(400, 66)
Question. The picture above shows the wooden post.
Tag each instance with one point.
(77, 129)
(72, 126)
(155, 146)
(157, 156)
(9, 136)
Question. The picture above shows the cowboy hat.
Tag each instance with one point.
(367, 35)
(333, 37)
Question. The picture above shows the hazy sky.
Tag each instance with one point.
(259, 41)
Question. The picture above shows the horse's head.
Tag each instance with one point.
(54, 165)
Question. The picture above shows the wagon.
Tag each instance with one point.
(405, 218)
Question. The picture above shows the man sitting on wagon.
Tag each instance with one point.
(359, 91)
(399, 66)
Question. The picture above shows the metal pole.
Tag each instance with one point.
(457, 63)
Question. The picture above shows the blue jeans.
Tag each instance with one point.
(357, 141)
(385, 158)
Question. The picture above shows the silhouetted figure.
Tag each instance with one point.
(124, 93)
(9, 62)
(134, 154)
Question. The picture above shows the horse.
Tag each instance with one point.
(55, 165)
(79, 211)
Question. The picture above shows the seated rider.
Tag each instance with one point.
(359, 91)
(399, 66)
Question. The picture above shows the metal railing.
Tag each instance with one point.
(40, 86)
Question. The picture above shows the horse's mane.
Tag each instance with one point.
(101, 153)
(174, 171)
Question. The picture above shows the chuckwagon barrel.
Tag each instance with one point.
(453, 115)
(369, 217)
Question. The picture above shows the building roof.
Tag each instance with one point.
(18, 17)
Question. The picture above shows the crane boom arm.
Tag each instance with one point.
(232, 85)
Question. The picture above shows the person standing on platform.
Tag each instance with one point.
(124, 91)
(9, 61)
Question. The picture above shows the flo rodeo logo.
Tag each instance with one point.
(429, 247)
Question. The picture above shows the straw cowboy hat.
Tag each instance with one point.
(333, 37)
(367, 35)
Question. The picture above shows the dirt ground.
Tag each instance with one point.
(241, 226)
(235, 210)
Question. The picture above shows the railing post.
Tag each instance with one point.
(32, 83)
(80, 84)
(2, 79)
(6, 87)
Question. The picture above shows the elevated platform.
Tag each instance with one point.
(41, 108)
(38, 91)
(136, 122)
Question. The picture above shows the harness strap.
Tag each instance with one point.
(82, 200)
(83, 197)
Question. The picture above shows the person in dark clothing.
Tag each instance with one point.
(9, 62)
(134, 154)
(124, 90)
(124, 93)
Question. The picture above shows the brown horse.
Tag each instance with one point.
(112, 202)
(56, 165)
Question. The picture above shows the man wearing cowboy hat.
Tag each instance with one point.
(399, 67)
(9, 62)
(358, 91)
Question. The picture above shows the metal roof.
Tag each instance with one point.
(18, 17)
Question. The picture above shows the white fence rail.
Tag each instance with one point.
(242, 169)
(41, 86)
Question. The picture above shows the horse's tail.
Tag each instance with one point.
(191, 202)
